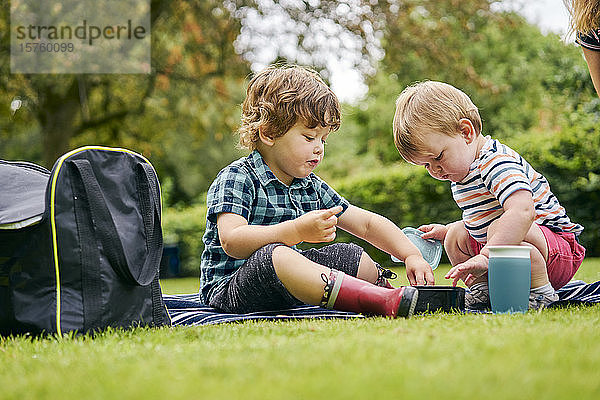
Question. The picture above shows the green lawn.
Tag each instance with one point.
(551, 354)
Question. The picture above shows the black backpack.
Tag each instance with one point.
(80, 246)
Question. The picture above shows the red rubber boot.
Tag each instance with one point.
(347, 293)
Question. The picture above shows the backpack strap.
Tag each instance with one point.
(149, 196)
(146, 182)
(107, 232)
(90, 257)
(159, 311)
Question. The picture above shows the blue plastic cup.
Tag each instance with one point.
(509, 278)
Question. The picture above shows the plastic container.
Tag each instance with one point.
(431, 249)
(440, 298)
(509, 278)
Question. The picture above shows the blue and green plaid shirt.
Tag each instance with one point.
(247, 187)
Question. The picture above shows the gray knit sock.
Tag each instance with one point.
(541, 296)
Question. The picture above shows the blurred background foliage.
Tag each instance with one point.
(533, 91)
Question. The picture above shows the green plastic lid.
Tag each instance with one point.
(431, 249)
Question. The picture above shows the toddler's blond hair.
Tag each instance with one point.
(280, 95)
(430, 107)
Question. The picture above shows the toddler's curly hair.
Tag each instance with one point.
(280, 95)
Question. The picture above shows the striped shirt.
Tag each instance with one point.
(248, 187)
(590, 41)
(493, 177)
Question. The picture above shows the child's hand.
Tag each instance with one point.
(317, 226)
(468, 271)
(418, 271)
(434, 231)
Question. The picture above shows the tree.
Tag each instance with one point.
(182, 113)
(519, 78)
(319, 33)
(187, 47)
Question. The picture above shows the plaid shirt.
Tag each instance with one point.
(247, 187)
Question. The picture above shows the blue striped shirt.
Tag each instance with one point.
(591, 41)
(248, 187)
(497, 173)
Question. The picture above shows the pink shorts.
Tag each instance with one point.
(565, 255)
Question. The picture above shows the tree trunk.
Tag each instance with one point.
(58, 116)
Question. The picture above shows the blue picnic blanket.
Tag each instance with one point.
(186, 309)
(578, 292)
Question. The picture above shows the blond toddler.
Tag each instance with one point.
(504, 201)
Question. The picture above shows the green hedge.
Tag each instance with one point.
(405, 194)
(184, 227)
(570, 160)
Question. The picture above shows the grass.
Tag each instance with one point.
(551, 354)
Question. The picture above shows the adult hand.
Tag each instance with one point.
(317, 226)
(469, 270)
